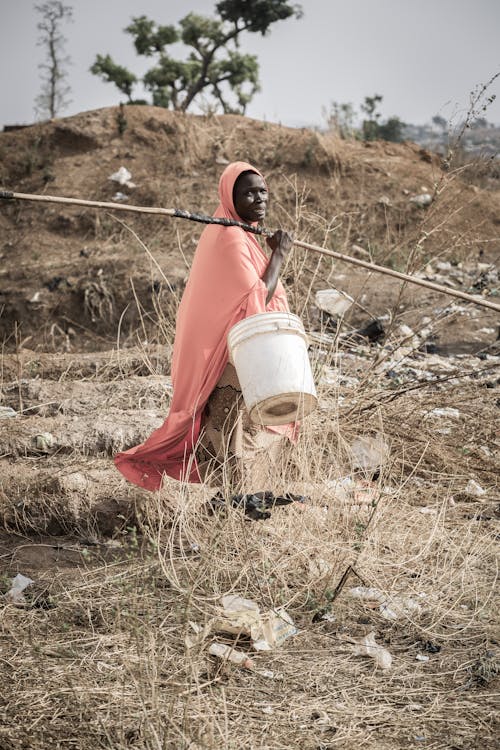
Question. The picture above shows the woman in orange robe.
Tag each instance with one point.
(230, 279)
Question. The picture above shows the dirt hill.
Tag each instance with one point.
(74, 267)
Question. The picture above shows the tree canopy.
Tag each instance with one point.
(214, 66)
(342, 117)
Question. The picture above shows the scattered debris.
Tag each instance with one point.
(422, 657)
(369, 453)
(44, 442)
(446, 412)
(368, 646)
(373, 331)
(423, 200)
(475, 489)
(241, 616)
(6, 412)
(119, 197)
(431, 647)
(221, 651)
(391, 608)
(15, 593)
(123, 177)
(333, 301)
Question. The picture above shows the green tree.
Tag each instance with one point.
(54, 94)
(214, 66)
(370, 125)
(393, 129)
(341, 120)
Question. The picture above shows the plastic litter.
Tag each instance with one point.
(368, 646)
(18, 585)
(118, 197)
(446, 412)
(221, 651)
(475, 489)
(44, 442)
(422, 657)
(266, 630)
(369, 452)
(7, 413)
(332, 301)
(423, 200)
(391, 608)
(123, 177)
(257, 505)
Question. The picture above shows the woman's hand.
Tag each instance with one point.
(280, 244)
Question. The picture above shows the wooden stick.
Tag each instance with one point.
(178, 213)
(476, 299)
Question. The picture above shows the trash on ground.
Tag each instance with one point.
(446, 412)
(361, 494)
(391, 608)
(475, 489)
(118, 197)
(221, 651)
(267, 673)
(368, 646)
(423, 200)
(428, 511)
(18, 585)
(332, 301)
(7, 413)
(422, 657)
(241, 616)
(369, 452)
(123, 177)
(44, 442)
(198, 635)
(373, 331)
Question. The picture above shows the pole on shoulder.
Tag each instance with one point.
(180, 214)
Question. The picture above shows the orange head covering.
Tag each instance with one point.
(224, 286)
(226, 187)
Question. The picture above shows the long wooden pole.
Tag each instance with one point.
(178, 213)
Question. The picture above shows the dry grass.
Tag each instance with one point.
(98, 657)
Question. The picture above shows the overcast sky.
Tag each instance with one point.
(423, 56)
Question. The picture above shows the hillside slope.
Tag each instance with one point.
(72, 267)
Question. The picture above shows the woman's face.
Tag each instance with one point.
(250, 197)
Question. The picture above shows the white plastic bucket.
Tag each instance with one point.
(269, 352)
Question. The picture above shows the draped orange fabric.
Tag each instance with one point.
(224, 286)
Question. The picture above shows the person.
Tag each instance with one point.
(207, 435)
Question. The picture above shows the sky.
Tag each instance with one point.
(423, 56)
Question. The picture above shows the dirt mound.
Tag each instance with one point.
(69, 275)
